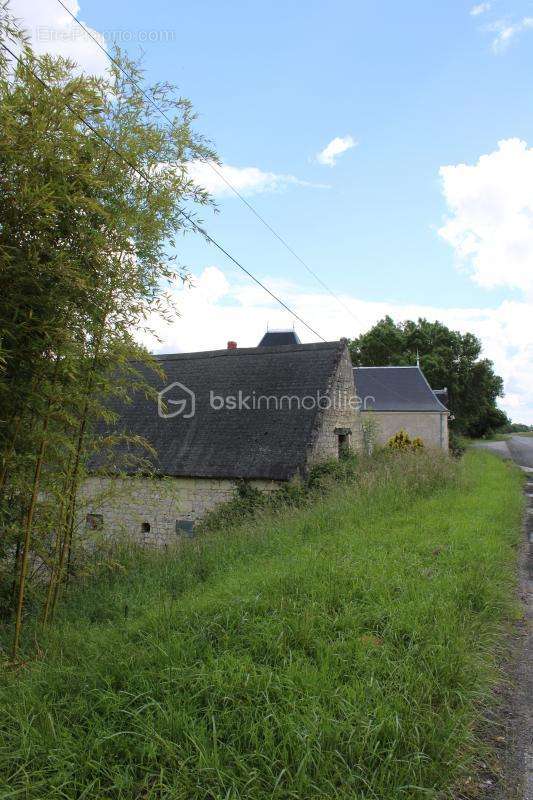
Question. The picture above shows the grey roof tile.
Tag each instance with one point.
(247, 443)
(395, 389)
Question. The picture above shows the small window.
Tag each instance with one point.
(185, 526)
(145, 527)
(94, 522)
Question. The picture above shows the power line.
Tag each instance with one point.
(183, 213)
(193, 223)
(148, 180)
(212, 165)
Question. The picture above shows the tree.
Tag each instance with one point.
(448, 359)
(92, 188)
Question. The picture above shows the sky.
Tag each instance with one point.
(390, 144)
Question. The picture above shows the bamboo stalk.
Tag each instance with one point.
(69, 522)
(53, 573)
(16, 563)
(29, 519)
(28, 532)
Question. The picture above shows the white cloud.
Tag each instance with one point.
(223, 307)
(328, 156)
(481, 8)
(491, 222)
(247, 180)
(507, 31)
(52, 30)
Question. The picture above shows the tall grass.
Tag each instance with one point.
(343, 650)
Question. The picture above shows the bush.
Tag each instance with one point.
(370, 427)
(333, 471)
(402, 441)
(456, 444)
(249, 500)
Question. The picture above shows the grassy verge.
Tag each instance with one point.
(344, 650)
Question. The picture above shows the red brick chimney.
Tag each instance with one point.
(232, 345)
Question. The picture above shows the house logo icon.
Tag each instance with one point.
(176, 400)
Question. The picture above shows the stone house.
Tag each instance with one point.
(262, 414)
(401, 398)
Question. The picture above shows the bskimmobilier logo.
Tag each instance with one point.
(176, 400)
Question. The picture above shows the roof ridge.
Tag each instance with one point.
(238, 351)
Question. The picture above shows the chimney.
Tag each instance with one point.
(232, 345)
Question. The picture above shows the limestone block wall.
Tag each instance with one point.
(128, 505)
(432, 427)
(343, 412)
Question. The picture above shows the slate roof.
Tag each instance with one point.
(277, 338)
(246, 443)
(442, 395)
(395, 389)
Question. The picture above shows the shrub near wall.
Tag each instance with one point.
(403, 442)
(250, 501)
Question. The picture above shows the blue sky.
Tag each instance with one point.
(418, 86)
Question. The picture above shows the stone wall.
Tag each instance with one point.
(128, 505)
(431, 426)
(343, 413)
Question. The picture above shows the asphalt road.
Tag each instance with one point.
(519, 448)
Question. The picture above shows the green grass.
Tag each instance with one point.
(342, 651)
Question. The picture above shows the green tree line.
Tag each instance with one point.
(448, 359)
